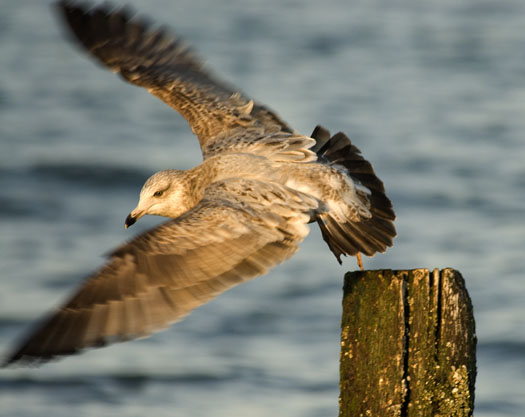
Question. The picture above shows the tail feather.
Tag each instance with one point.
(369, 235)
(336, 238)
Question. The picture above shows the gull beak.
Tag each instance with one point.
(132, 218)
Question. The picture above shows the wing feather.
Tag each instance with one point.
(167, 68)
(160, 276)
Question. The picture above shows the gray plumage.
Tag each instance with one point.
(242, 211)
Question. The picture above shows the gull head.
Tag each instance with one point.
(163, 194)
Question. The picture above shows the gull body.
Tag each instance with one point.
(171, 192)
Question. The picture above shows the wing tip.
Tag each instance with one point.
(21, 359)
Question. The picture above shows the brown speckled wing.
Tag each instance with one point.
(160, 62)
(240, 230)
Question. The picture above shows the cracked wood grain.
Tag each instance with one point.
(407, 344)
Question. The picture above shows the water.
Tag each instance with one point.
(432, 93)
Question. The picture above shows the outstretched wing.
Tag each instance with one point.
(238, 231)
(162, 63)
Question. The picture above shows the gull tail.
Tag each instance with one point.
(368, 235)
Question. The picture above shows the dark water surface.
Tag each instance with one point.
(433, 94)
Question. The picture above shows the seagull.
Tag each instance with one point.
(242, 211)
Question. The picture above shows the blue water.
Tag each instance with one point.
(434, 95)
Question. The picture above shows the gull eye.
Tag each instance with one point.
(158, 193)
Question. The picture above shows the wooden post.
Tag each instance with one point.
(408, 345)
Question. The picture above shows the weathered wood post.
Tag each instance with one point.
(408, 344)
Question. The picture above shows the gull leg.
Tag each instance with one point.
(359, 261)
